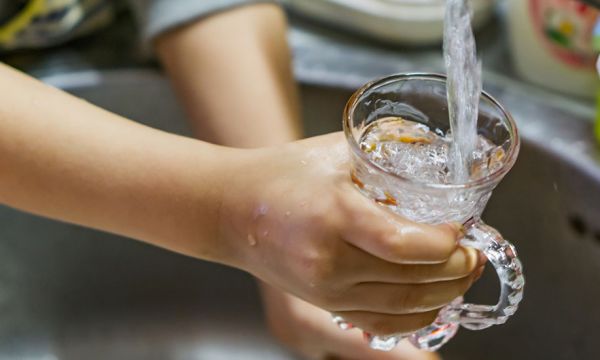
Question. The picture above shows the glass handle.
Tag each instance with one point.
(503, 257)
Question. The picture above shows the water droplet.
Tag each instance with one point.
(261, 210)
(265, 233)
(303, 162)
(251, 240)
(288, 213)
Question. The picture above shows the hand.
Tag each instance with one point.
(293, 218)
(310, 332)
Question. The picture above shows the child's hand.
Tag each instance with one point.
(310, 332)
(289, 215)
(292, 217)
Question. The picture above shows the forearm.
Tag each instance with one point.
(233, 75)
(63, 158)
(232, 72)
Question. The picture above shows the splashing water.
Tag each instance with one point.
(417, 153)
(421, 155)
(463, 86)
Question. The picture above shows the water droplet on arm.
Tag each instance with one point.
(260, 211)
(252, 240)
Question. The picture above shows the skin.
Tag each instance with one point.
(309, 234)
(203, 62)
(232, 74)
(66, 159)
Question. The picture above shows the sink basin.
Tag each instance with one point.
(72, 293)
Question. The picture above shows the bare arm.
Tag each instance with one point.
(63, 158)
(233, 73)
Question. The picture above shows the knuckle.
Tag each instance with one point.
(345, 202)
(333, 298)
(381, 238)
(397, 251)
(320, 271)
(322, 276)
(384, 239)
(319, 218)
(352, 211)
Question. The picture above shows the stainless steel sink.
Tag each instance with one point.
(72, 293)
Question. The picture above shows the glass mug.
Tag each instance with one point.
(422, 98)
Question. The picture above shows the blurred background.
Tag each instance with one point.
(72, 293)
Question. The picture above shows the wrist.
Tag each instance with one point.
(236, 185)
(193, 178)
(210, 239)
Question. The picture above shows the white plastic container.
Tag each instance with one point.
(413, 22)
(551, 43)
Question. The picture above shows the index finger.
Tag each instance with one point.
(393, 238)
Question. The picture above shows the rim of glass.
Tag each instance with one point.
(484, 181)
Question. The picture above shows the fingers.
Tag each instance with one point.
(324, 337)
(385, 324)
(462, 262)
(401, 298)
(351, 345)
(391, 237)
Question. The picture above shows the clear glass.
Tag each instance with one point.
(422, 98)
